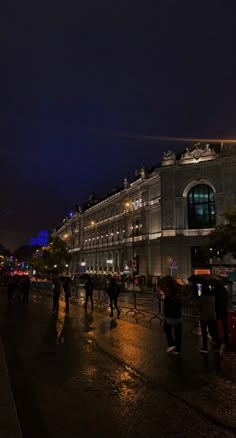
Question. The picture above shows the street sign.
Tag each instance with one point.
(173, 264)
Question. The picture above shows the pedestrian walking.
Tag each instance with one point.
(25, 288)
(207, 309)
(89, 286)
(57, 287)
(172, 314)
(66, 282)
(113, 293)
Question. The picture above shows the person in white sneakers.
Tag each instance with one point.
(173, 316)
(207, 309)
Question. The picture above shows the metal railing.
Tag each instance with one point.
(141, 305)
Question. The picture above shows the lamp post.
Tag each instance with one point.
(94, 224)
(129, 205)
(135, 311)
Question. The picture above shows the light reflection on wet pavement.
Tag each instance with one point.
(83, 374)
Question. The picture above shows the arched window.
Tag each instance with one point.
(201, 207)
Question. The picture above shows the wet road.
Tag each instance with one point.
(84, 375)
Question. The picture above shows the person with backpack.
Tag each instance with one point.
(89, 286)
(113, 293)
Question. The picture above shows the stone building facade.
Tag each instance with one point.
(157, 223)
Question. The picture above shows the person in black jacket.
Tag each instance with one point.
(66, 281)
(173, 316)
(206, 305)
(113, 293)
(89, 286)
(57, 286)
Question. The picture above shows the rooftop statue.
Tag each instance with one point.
(198, 153)
(169, 155)
(126, 183)
(168, 158)
(143, 173)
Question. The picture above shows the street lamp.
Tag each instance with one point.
(94, 224)
(129, 205)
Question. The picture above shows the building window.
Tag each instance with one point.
(201, 207)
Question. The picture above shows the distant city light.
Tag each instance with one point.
(41, 239)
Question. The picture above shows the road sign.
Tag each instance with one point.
(173, 264)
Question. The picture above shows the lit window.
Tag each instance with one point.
(201, 207)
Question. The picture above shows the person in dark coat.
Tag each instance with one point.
(25, 288)
(67, 291)
(113, 293)
(207, 309)
(57, 287)
(173, 316)
(89, 286)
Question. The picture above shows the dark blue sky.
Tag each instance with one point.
(75, 72)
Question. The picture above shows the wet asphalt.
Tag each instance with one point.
(84, 374)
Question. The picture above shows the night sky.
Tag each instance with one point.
(85, 83)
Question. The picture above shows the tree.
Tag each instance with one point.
(223, 238)
(56, 255)
(53, 257)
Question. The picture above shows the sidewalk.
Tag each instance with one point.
(9, 422)
(213, 391)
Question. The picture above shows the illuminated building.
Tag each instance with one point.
(159, 223)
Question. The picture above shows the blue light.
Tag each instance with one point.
(41, 239)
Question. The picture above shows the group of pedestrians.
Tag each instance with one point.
(212, 303)
(63, 283)
(113, 291)
(211, 300)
